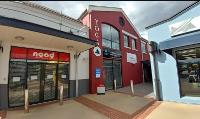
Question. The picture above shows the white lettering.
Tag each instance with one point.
(52, 55)
(42, 55)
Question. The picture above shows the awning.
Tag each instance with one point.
(38, 35)
(179, 41)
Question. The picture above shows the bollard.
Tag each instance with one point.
(115, 85)
(61, 95)
(26, 106)
(132, 89)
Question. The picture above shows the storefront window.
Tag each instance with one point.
(110, 37)
(188, 61)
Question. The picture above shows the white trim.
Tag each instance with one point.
(127, 33)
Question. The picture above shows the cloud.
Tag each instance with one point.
(141, 13)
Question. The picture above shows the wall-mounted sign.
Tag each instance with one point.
(96, 30)
(37, 54)
(97, 51)
(131, 58)
(97, 72)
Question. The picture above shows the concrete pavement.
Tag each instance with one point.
(172, 110)
(69, 110)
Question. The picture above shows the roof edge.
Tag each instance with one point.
(119, 10)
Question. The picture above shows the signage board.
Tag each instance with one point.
(97, 72)
(37, 54)
(131, 58)
(97, 51)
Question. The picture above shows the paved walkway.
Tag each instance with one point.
(116, 105)
(172, 110)
(69, 110)
(143, 89)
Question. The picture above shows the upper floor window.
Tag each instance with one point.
(133, 43)
(126, 41)
(143, 47)
(110, 37)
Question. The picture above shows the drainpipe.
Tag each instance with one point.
(155, 51)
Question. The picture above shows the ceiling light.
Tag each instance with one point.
(21, 38)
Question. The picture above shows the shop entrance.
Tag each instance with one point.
(112, 70)
(41, 82)
(42, 78)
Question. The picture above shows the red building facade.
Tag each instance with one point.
(128, 47)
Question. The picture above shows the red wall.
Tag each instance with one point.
(129, 71)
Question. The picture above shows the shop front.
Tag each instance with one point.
(42, 72)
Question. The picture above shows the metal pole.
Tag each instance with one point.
(76, 70)
(115, 85)
(61, 95)
(132, 89)
(26, 104)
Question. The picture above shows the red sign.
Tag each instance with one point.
(36, 54)
(18, 53)
(64, 57)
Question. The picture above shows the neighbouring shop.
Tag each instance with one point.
(40, 71)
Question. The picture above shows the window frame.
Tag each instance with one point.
(135, 44)
(111, 38)
(128, 41)
(143, 43)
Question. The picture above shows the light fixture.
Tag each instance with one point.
(69, 47)
(20, 38)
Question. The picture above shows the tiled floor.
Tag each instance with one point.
(2, 114)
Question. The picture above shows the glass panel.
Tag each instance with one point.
(133, 44)
(189, 71)
(106, 43)
(126, 41)
(17, 80)
(115, 45)
(33, 83)
(106, 33)
(117, 73)
(49, 82)
(115, 35)
(143, 47)
(108, 74)
(63, 78)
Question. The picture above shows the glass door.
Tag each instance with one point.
(49, 82)
(17, 81)
(33, 82)
(117, 73)
(108, 74)
(63, 79)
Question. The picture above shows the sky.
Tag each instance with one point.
(141, 13)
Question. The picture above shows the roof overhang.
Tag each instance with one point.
(180, 41)
(40, 35)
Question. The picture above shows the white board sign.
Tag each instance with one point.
(63, 76)
(97, 51)
(16, 79)
(34, 77)
(49, 76)
(131, 58)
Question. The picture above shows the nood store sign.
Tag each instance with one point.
(131, 58)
